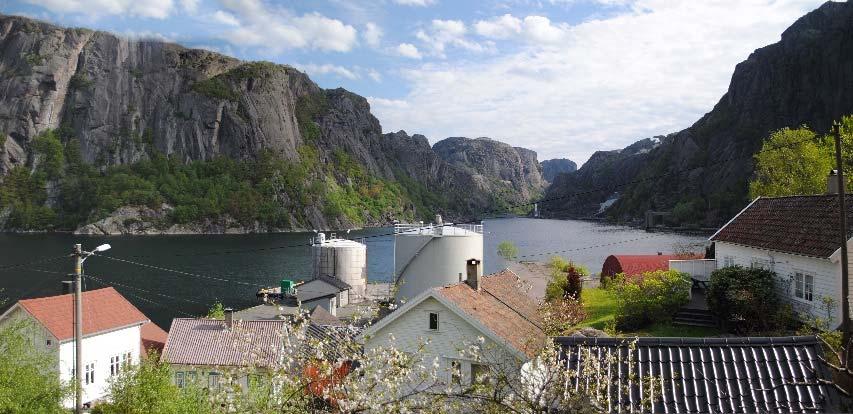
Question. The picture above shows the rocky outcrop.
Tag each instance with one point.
(804, 79)
(551, 168)
(497, 165)
(147, 221)
(125, 100)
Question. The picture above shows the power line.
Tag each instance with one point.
(37, 261)
(153, 302)
(97, 279)
(588, 247)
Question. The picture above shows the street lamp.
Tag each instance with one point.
(80, 256)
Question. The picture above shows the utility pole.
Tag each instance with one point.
(78, 328)
(845, 276)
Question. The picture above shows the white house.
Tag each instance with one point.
(112, 335)
(451, 317)
(798, 238)
(209, 352)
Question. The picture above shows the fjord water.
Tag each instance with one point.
(263, 259)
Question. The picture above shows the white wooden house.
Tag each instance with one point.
(112, 335)
(796, 237)
(494, 308)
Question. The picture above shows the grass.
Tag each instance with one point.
(601, 307)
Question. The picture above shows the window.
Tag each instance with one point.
(803, 286)
(179, 379)
(89, 372)
(433, 321)
(49, 342)
(728, 261)
(480, 373)
(761, 264)
(190, 377)
(455, 372)
(114, 365)
(125, 359)
(213, 380)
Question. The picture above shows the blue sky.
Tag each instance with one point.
(562, 77)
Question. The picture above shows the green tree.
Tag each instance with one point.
(652, 297)
(148, 388)
(507, 250)
(51, 154)
(745, 299)
(560, 286)
(216, 311)
(791, 161)
(29, 382)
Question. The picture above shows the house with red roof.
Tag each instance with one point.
(492, 312)
(114, 335)
(796, 237)
(636, 264)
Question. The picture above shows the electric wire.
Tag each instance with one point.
(34, 262)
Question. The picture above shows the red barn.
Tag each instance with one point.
(637, 264)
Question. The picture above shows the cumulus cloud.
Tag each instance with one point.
(158, 9)
(276, 28)
(325, 69)
(225, 18)
(372, 34)
(653, 68)
(443, 33)
(421, 3)
(375, 75)
(408, 50)
(387, 103)
(190, 6)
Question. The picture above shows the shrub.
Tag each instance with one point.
(652, 297)
(565, 279)
(507, 250)
(744, 298)
(215, 88)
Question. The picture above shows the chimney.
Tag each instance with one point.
(438, 220)
(832, 182)
(67, 287)
(229, 318)
(475, 272)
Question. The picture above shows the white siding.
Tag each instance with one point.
(99, 349)
(412, 329)
(827, 276)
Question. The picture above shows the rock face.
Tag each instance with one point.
(124, 100)
(551, 168)
(498, 166)
(804, 79)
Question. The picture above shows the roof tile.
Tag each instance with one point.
(208, 342)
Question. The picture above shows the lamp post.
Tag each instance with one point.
(80, 256)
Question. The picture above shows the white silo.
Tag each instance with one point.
(341, 259)
(428, 256)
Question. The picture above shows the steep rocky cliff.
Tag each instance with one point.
(551, 168)
(498, 167)
(804, 79)
(121, 102)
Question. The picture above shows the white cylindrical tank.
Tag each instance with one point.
(433, 256)
(342, 259)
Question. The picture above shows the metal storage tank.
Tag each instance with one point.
(427, 256)
(341, 259)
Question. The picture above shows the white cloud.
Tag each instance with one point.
(652, 69)
(190, 6)
(325, 69)
(442, 33)
(375, 75)
(502, 27)
(387, 103)
(146, 35)
(421, 3)
(158, 9)
(276, 29)
(408, 50)
(225, 18)
(372, 34)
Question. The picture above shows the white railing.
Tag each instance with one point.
(698, 269)
(446, 229)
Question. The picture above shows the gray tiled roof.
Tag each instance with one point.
(709, 375)
(319, 287)
(338, 283)
(207, 342)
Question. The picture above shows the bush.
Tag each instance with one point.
(565, 279)
(745, 299)
(652, 297)
(507, 250)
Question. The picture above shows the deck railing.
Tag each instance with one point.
(698, 269)
(431, 229)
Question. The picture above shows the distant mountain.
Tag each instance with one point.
(550, 168)
(194, 141)
(804, 79)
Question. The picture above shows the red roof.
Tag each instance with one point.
(103, 310)
(637, 264)
(153, 337)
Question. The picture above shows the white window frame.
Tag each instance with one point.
(803, 286)
(179, 379)
(89, 373)
(456, 377)
(115, 365)
(213, 379)
(757, 263)
(126, 359)
(728, 261)
(437, 321)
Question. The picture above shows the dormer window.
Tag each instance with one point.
(433, 321)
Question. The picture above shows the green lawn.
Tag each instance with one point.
(601, 309)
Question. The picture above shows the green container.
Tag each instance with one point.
(286, 285)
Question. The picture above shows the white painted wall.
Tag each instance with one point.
(99, 349)
(428, 260)
(827, 276)
(411, 329)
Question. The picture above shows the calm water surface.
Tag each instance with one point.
(264, 259)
